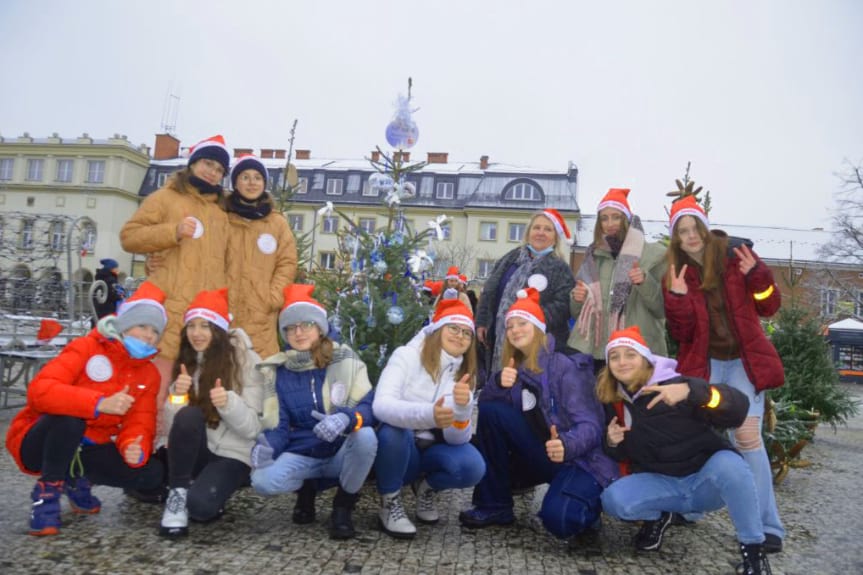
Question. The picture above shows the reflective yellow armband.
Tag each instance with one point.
(763, 295)
(715, 398)
(359, 417)
(179, 399)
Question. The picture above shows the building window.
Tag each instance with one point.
(27, 235)
(484, 268)
(367, 225)
(353, 183)
(34, 170)
(368, 190)
(445, 190)
(488, 231)
(330, 225)
(6, 165)
(160, 181)
(31, 201)
(318, 182)
(95, 171)
(328, 260)
(516, 232)
(64, 170)
(850, 358)
(829, 299)
(523, 191)
(296, 222)
(58, 236)
(88, 238)
(335, 186)
(302, 186)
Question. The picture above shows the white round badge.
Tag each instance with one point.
(99, 368)
(199, 228)
(266, 243)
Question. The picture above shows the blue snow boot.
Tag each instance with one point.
(45, 511)
(80, 496)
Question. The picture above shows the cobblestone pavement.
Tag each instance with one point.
(821, 506)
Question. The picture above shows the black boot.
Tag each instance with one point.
(341, 524)
(304, 508)
(754, 560)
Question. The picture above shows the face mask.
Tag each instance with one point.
(544, 252)
(137, 348)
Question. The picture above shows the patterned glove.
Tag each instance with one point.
(330, 427)
(262, 453)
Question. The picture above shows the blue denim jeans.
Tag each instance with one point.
(444, 466)
(350, 465)
(509, 446)
(725, 479)
(733, 373)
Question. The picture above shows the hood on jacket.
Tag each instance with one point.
(664, 369)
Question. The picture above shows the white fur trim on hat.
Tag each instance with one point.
(630, 343)
(526, 316)
(617, 206)
(141, 312)
(695, 213)
(208, 315)
(451, 318)
(304, 311)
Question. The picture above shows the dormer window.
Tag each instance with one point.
(523, 191)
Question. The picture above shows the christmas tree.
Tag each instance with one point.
(375, 294)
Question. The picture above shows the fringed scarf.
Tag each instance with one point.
(525, 264)
(251, 210)
(590, 319)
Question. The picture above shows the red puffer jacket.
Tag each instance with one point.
(88, 369)
(746, 298)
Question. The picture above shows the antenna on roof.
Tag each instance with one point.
(169, 113)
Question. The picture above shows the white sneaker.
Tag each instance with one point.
(175, 519)
(426, 503)
(394, 520)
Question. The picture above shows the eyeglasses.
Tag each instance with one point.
(213, 166)
(303, 327)
(463, 332)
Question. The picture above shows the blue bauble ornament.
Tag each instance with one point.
(380, 267)
(402, 134)
(397, 239)
(395, 315)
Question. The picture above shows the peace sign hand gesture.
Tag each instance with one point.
(678, 281)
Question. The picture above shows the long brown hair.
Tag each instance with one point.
(529, 358)
(430, 357)
(712, 266)
(598, 236)
(606, 384)
(219, 362)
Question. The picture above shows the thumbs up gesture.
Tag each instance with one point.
(218, 395)
(443, 416)
(183, 381)
(461, 391)
(636, 274)
(134, 452)
(554, 446)
(579, 292)
(117, 404)
(508, 374)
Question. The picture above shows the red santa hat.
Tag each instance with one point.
(212, 148)
(433, 287)
(463, 279)
(452, 273)
(526, 306)
(616, 198)
(559, 224)
(687, 206)
(248, 162)
(211, 306)
(630, 337)
(144, 307)
(300, 306)
(450, 310)
(48, 330)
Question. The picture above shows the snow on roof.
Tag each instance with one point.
(850, 324)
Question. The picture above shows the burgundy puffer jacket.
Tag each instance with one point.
(688, 321)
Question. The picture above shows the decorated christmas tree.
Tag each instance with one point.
(375, 294)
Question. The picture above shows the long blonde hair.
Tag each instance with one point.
(606, 384)
(430, 358)
(529, 358)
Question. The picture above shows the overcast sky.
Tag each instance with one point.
(764, 97)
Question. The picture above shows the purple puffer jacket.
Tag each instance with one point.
(569, 402)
